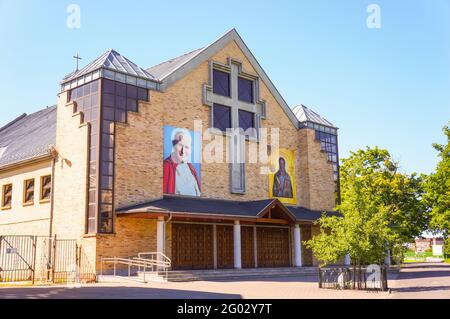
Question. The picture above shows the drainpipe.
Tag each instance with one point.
(52, 150)
(54, 154)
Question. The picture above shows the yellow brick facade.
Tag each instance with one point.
(139, 145)
(70, 171)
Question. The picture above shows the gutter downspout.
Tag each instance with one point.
(54, 153)
(170, 218)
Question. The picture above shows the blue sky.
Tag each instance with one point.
(388, 87)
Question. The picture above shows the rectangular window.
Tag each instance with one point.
(28, 192)
(6, 196)
(245, 90)
(246, 120)
(221, 117)
(46, 188)
(221, 83)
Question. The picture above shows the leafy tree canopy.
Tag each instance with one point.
(437, 188)
(379, 205)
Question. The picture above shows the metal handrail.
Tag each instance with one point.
(164, 257)
(141, 263)
(165, 264)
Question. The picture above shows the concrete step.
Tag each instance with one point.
(246, 270)
(221, 274)
(232, 277)
(234, 274)
(149, 277)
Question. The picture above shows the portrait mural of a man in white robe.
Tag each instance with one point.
(181, 162)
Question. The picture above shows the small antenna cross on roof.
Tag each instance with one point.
(78, 58)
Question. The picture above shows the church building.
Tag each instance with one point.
(198, 158)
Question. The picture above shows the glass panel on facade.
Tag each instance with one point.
(121, 102)
(121, 89)
(131, 92)
(116, 99)
(120, 115)
(329, 145)
(245, 90)
(222, 117)
(246, 120)
(108, 100)
(142, 94)
(221, 83)
(132, 105)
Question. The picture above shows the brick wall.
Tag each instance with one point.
(70, 172)
(138, 161)
(316, 184)
(133, 235)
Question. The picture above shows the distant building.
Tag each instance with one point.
(423, 244)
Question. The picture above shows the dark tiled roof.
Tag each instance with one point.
(195, 205)
(302, 213)
(202, 206)
(160, 70)
(28, 137)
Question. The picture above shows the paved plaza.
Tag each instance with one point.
(414, 281)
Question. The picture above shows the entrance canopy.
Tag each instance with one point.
(260, 211)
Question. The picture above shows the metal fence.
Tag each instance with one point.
(17, 258)
(372, 277)
(43, 259)
(64, 260)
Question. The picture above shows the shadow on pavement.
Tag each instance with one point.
(302, 279)
(424, 274)
(420, 289)
(425, 266)
(109, 292)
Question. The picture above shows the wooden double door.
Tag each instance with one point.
(273, 247)
(225, 247)
(193, 246)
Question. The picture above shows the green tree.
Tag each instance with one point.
(437, 188)
(379, 205)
